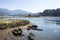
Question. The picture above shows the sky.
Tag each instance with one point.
(30, 5)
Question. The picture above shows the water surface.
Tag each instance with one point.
(50, 26)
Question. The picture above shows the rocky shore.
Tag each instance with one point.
(17, 30)
(7, 26)
(4, 24)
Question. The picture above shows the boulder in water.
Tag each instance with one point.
(31, 36)
(34, 27)
(39, 29)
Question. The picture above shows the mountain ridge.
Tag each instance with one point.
(12, 12)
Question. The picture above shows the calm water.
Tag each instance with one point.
(50, 26)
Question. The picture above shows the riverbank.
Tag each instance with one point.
(6, 34)
(3, 17)
(4, 24)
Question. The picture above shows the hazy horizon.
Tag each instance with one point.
(30, 5)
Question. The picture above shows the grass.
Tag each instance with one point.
(12, 23)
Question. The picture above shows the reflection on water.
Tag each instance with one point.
(51, 29)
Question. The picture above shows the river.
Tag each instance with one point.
(50, 26)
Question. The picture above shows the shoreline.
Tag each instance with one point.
(6, 34)
(2, 17)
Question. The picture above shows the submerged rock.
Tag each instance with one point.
(31, 36)
(39, 29)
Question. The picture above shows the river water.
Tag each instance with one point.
(50, 26)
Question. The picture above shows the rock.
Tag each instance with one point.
(14, 32)
(39, 29)
(34, 27)
(2, 26)
(17, 32)
(31, 36)
(29, 27)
